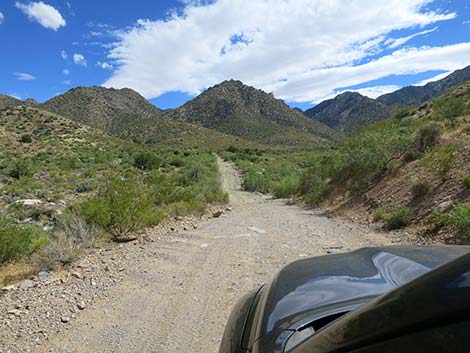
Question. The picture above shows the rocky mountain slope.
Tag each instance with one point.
(415, 95)
(348, 111)
(8, 101)
(351, 110)
(110, 110)
(236, 109)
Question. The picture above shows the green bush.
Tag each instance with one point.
(398, 219)
(428, 136)
(441, 160)
(20, 168)
(379, 214)
(147, 160)
(466, 181)
(121, 207)
(458, 217)
(450, 108)
(420, 188)
(286, 187)
(18, 241)
(26, 138)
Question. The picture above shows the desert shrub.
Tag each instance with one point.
(466, 181)
(26, 138)
(17, 241)
(286, 187)
(20, 168)
(313, 186)
(449, 108)
(147, 160)
(365, 156)
(428, 136)
(71, 236)
(402, 112)
(379, 214)
(397, 219)
(86, 186)
(256, 181)
(121, 207)
(411, 155)
(441, 160)
(420, 188)
(458, 217)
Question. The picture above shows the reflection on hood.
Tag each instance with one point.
(392, 271)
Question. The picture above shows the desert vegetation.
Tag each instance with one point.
(429, 143)
(68, 186)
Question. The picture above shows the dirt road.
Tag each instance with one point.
(179, 300)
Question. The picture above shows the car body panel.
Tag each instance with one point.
(311, 288)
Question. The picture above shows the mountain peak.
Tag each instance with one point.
(347, 111)
(234, 108)
(108, 109)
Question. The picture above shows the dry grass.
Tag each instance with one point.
(14, 272)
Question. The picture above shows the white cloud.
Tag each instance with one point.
(2, 18)
(371, 92)
(67, 82)
(276, 45)
(434, 78)
(46, 15)
(396, 42)
(314, 85)
(22, 76)
(79, 59)
(104, 65)
(66, 72)
(64, 54)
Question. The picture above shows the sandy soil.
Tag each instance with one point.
(178, 300)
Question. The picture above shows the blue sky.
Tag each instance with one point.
(303, 51)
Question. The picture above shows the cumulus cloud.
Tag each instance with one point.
(2, 18)
(278, 45)
(79, 59)
(104, 65)
(66, 72)
(64, 54)
(23, 76)
(46, 15)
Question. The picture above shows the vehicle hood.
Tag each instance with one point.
(323, 284)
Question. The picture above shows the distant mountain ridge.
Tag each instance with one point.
(348, 111)
(233, 111)
(415, 95)
(351, 110)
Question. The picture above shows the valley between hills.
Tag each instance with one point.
(113, 212)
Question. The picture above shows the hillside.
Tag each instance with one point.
(65, 185)
(8, 101)
(236, 109)
(348, 111)
(110, 110)
(416, 95)
(184, 135)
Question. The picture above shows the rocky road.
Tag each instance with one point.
(177, 290)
